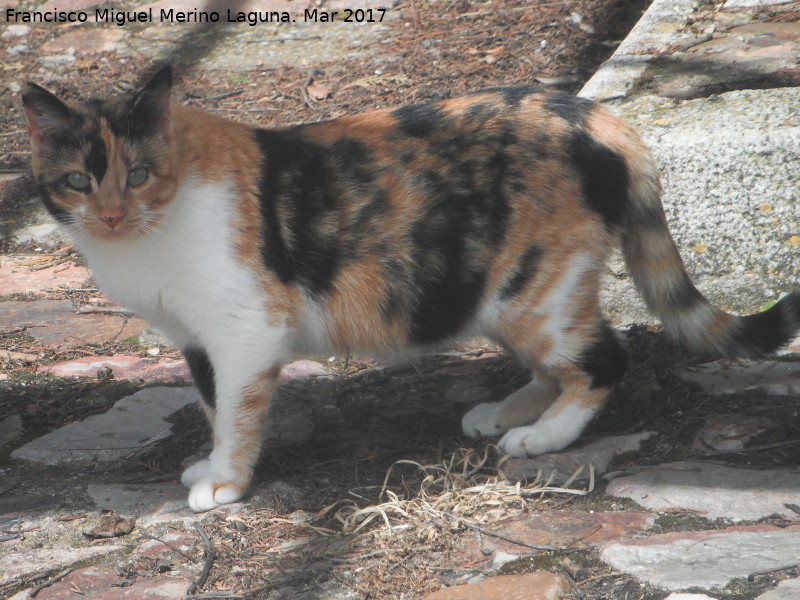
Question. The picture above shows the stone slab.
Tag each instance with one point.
(563, 529)
(16, 276)
(141, 500)
(54, 323)
(786, 590)
(704, 559)
(25, 563)
(84, 41)
(561, 467)
(729, 169)
(99, 584)
(531, 586)
(125, 368)
(716, 491)
(10, 429)
(131, 426)
(738, 376)
(753, 3)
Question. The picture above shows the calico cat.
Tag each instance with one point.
(491, 214)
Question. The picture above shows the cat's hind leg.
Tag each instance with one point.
(522, 407)
(585, 383)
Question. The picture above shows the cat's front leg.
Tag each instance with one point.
(236, 400)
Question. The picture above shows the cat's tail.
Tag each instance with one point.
(660, 276)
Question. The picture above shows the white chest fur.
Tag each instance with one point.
(183, 277)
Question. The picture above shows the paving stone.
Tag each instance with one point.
(47, 233)
(704, 559)
(300, 369)
(26, 563)
(753, 3)
(98, 584)
(165, 370)
(87, 41)
(54, 323)
(786, 590)
(736, 376)
(718, 491)
(185, 541)
(150, 502)
(563, 465)
(72, 4)
(531, 586)
(290, 428)
(573, 529)
(10, 428)
(131, 426)
(729, 432)
(27, 505)
(125, 368)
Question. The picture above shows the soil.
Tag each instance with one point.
(390, 414)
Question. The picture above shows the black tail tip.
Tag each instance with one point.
(768, 331)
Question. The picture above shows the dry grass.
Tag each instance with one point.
(398, 547)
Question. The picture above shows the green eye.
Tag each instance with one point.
(136, 176)
(78, 181)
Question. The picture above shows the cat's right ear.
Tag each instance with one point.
(151, 104)
(44, 112)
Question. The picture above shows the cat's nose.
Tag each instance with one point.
(112, 218)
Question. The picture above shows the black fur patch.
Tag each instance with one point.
(96, 161)
(512, 95)
(58, 213)
(570, 108)
(299, 204)
(203, 373)
(767, 331)
(604, 360)
(526, 269)
(419, 120)
(603, 175)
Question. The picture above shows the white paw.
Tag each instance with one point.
(482, 420)
(531, 440)
(208, 493)
(196, 472)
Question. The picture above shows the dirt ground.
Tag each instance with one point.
(333, 484)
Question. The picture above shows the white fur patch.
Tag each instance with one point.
(557, 309)
(554, 431)
(481, 420)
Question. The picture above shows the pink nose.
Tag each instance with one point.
(112, 218)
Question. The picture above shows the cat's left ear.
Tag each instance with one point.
(151, 104)
(44, 112)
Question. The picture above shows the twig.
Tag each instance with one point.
(500, 536)
(52, 263)
(219, 96)
(209, 556)
(71, 290)
(50, 581)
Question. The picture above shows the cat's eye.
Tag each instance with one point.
(78, 181)
(136, 176)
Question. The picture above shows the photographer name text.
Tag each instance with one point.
(169, 15)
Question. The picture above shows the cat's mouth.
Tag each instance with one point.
(118, 229)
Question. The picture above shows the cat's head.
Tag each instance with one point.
(103, 166)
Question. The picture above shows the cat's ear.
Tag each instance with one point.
(151, 104)
(45, 113)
